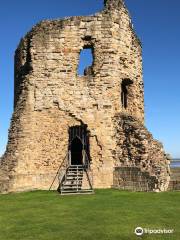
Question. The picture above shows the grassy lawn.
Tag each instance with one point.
(106, 215)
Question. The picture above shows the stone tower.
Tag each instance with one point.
(53, 104)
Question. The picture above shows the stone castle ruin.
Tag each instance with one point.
(73, 132)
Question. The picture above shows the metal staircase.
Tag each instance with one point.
(76, 180)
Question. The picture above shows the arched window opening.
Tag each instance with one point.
(85, 61)
(124, 92)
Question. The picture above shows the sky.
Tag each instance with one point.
(157, 24)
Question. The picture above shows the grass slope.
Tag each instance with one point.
(106, 215)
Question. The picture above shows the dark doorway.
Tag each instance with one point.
(76, 152)
(79, 145)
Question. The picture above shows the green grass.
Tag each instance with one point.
(106, 215)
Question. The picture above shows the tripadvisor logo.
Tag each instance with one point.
(139, 231)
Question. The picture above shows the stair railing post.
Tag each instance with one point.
(59, 171)
(84, 158)
(92, 179)
(69, 158)
(89, 171)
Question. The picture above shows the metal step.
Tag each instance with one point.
(69, 177)
(72, 185)
(71, 189)
(74, 173)
(77, 172)
(76, 168)
(73, 180)
(74, 176)
(83, 191)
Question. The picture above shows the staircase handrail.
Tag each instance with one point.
(88, 170)
(60, 167)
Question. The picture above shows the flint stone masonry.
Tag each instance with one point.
(50, 97)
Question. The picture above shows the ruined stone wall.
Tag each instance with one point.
(50, 96)
(174, 183)
(137, 148)
(133, 179)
